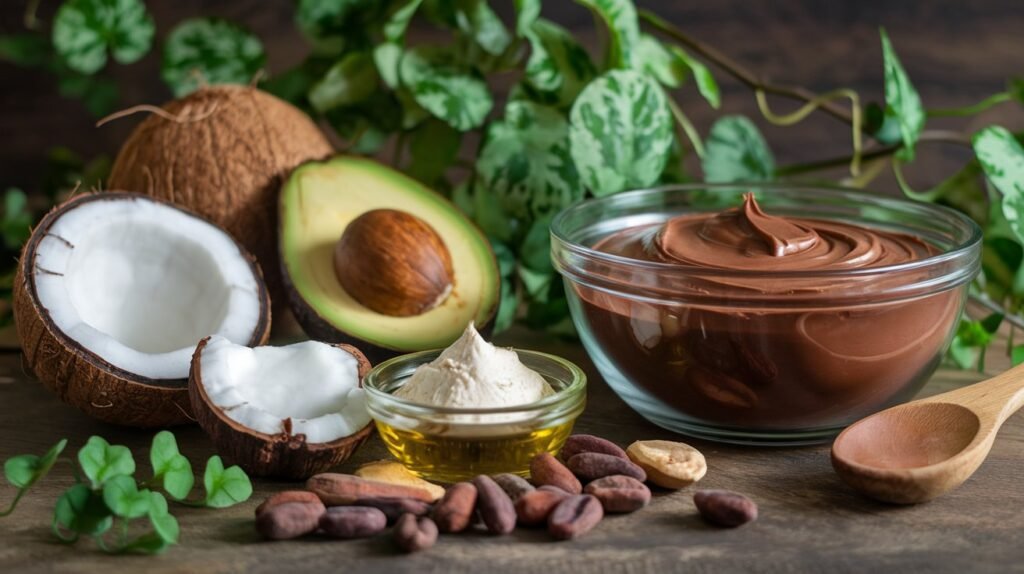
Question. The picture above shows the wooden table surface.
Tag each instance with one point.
(810, 522)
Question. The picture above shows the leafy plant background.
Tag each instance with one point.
(512, 111)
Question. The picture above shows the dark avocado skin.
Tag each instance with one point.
(320, 330)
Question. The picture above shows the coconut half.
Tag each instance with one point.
(288, 412)
(113, 292)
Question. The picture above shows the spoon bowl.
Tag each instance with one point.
(920, 450)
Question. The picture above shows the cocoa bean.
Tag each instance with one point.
(393, 508)
(289, 520)
(578, 443)
(495, 507)
(454, 511)
(289, 496)
(575, 516)
(546, 469)
(619, 493)
(414, 533)
(725, 508)
(338, 489)
(593, 465)
(352, 521)
(513, 485)
(533, 508)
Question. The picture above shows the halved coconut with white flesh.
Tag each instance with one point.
(112, 294)
(288, 412)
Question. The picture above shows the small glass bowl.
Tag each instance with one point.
(451, 444)
(781, 367)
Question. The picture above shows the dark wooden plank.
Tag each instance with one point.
(810, 522)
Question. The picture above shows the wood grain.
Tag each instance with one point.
(810, 521)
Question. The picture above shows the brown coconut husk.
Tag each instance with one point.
(282, 455)
(80, 377)
(222, 152)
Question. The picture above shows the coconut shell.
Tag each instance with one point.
(224, 158)
(282, 455)
(82, 378)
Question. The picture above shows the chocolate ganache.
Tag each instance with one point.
(751, 363)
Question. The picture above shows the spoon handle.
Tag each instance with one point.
(997, 398)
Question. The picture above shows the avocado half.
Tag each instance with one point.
(318, 202)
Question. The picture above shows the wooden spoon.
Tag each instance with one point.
(920, 450)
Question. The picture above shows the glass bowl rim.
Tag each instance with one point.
(560, 239)
(573, 392)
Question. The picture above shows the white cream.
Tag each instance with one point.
(472, 373)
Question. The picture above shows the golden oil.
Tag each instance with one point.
(445, 458)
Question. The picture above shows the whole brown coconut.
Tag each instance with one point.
(224, 157)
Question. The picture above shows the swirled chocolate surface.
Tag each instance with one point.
(746, 237)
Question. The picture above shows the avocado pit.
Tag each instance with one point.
(394, 263)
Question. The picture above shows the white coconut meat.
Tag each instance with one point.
(313, 384)
(139, 283)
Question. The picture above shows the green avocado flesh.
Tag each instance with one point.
(319, 200)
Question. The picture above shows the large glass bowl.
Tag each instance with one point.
(761, 369)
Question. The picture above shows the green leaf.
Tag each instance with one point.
(148, 543)
(101, 461)
(620, 131)
(658, 61)
(527, 12)
(123, 497)
(24, 470)
(1014, 87)
(98, 94)
(323, 21)
(1002, 159)
(386, 57)
(16, 225)
(509, 304)
(478, 21)
(882, 127)
(557, 65)
(82, 511)
(491, 216)
(174, 469)
(507, 308)
(85, 30)
(535, 251)
(706, 84)
(212, 51)
(901, 100)
(433, 147)
(525, 161)
(394, 29)
(454, 95)
(623, 30)
(225, 487)
(736, 151)
(165, 525)
(1017, 355)
(505, 257)
(27, 50)
(351, 80)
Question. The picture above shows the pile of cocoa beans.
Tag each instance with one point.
(568, 496)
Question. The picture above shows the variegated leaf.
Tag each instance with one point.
(620, 132)
(526, 164)
(454, 95)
